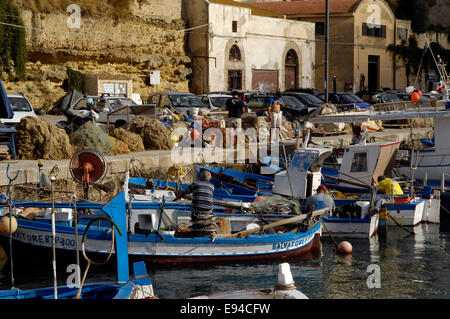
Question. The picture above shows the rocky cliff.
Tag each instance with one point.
(123, 37)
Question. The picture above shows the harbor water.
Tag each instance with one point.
(407, 266)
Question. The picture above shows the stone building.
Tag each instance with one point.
(247, 48)
(360, 33)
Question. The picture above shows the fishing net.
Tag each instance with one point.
(92, 136)
(120, 147)
(37, 139)
(277, 205)
(132, 140)
(154, 134)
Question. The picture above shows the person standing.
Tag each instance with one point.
(275, 105)
(235, 108)
(203, 219)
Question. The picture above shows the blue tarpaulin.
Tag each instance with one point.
(6, 111)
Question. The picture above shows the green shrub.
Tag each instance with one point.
(13, 41)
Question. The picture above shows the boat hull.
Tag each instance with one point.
(167, 249)
(350, 228)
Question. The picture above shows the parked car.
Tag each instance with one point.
(115, 110)
(243, 95)
(21, 107)
(214, 101)
(259, 102)
(348, 99)
(310, 101)
(181, 102)
(293, 108)
(374, 97)
(424, 100)
(304, 90)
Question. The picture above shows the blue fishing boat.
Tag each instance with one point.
(138, 286)
(152, 235)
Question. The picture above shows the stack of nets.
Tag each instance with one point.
(153, 133)
(277, 205)
(203, 224)
(133, 140)
(37, 139)
(92, 136)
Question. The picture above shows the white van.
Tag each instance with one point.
(20, 106)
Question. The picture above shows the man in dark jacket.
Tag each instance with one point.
(235, 109)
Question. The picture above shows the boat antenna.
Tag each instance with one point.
(55, 282)
(9, 196)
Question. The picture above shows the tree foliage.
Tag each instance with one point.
(419, 57)
(13, 46)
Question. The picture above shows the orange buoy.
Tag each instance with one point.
(415, 97)
(259, 199)
(4, 225)
(344, 247)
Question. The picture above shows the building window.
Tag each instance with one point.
(402, 34)
(320, 28)
(234, 26)
(234, 80)
(235, 53)
(374, 30)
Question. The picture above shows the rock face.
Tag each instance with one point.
(127, 38)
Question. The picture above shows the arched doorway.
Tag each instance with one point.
(235, 71)
(291, 70)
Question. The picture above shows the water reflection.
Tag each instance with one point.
(411, 266)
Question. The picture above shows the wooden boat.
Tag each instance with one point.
(38, 233)
(149, 241)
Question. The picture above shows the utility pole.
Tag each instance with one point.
(327, 45)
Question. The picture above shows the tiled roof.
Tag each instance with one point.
(307, 6)
(254, 9)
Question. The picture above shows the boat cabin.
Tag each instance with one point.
(303, 174)
(363, 164)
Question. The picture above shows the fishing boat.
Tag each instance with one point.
(151, 239)
(300, 180)
(138, 286)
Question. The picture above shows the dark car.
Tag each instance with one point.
(293, 108)
(304, 90)
(310, 101)
(348, 99)
(424, 100)
(374, 97)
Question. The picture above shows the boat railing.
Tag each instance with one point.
(387, 111)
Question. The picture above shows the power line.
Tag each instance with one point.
(100, 34)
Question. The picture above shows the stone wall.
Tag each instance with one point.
(141, 37)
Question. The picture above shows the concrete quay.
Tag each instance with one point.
(162, 160)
